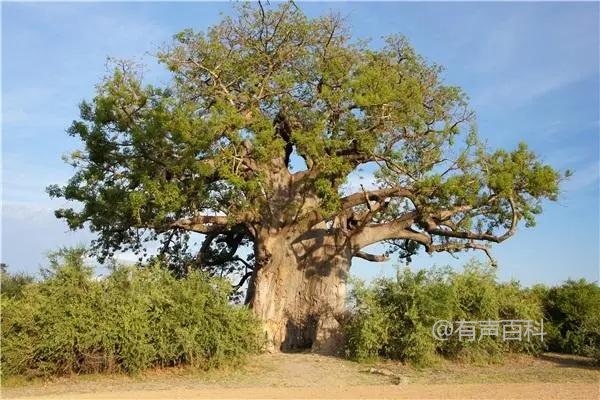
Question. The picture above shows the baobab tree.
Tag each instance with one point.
(251, 144)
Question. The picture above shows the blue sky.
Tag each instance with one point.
(531, 71)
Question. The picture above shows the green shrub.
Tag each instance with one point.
(368, 330)
(573, 314)
(132, 319)
(11, 285)
(393, 318)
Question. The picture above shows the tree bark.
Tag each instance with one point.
(299, 289)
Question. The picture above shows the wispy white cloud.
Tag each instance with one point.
(583, 178)
(510, 67)
(520, 90)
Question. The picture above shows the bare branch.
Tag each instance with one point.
(201, 223)
(363, 197)
(372, 257)
(457, 246)
(367, 199)
(243, 280)
(433, 229)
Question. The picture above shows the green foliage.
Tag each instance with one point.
(394, 317)
(263, 83)
(134, 318)
(11, 285)
(573, 314)
(369, 327)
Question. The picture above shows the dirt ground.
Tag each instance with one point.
(309, 376)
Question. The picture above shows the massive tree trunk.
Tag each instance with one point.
(299, 289)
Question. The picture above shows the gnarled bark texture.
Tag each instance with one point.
(299, 289)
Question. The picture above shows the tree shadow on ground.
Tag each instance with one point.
(570, 361)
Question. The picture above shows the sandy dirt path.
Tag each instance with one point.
(544, 391)
(309, 376)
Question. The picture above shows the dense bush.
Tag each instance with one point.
(573, 313)
(12, 284)
(393, 318)
(71, 321)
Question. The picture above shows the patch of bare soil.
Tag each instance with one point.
(309, 376)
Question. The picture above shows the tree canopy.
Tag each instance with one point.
(213, 151)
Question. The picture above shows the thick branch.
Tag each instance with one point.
(397, 229)
(283, 129)
(457, 246)
(209, 256)
(372, 257)
(201, 223)
(401, 229)
(433, 228)
(362, 197)
(243, 280)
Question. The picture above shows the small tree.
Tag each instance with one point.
(213, 153)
